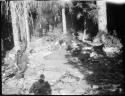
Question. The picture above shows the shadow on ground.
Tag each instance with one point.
(107, 72)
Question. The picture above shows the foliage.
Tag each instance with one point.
(108, 40)
(111, 41)
(92, 12)
(106, 70)
(42, 12)
(39, 13)
(5, 9)
(87, 9)
(57, 33)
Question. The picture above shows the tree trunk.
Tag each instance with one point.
(14, 25)
(102, 16)
(84, 33)
(64, 21)
(26, 23)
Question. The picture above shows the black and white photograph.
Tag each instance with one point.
(62, 47)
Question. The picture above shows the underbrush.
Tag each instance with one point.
(107, 71)
(111, 41)
(54, 35)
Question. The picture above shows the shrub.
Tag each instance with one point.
(111, 41)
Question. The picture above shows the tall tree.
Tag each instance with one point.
(64, 20)
(26, 23)
(14, 25)
(102, 16)
(63, 4)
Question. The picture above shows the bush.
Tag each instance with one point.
(112, 45)
(111, 41)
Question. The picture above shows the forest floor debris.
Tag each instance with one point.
(67, 74)
(53, 65)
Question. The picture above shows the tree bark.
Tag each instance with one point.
(84, 32)
(14, 25)
(26, 24)
(102, 16)
(64, 21)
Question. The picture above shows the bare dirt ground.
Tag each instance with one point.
(50, 61)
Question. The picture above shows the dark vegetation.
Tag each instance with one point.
(107, 71)
(6, 35)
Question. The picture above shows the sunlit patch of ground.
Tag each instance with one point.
(68, 73)
(53, 64)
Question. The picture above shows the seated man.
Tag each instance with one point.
(40, 87)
